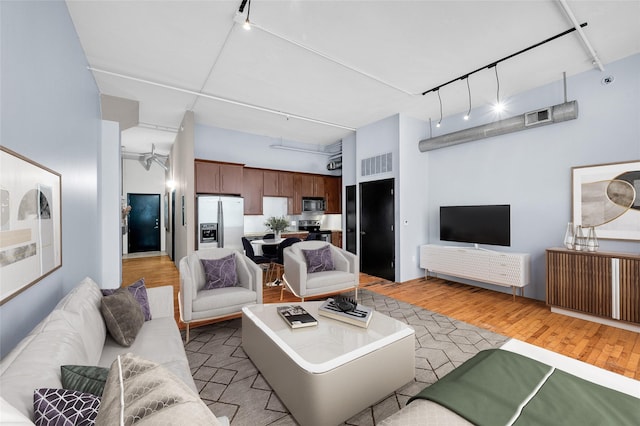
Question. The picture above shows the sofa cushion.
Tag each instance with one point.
(84, 378)
(319, 260)
(64, 407)
(139, 291)
(159, 341)
(220, 273)
(123, 316)
(81, 306)
(11, 415)
(35, 362)
(146, 393)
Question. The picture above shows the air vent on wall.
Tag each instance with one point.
(376, 165)
(537, 117)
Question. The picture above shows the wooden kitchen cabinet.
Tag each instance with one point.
(336, 238)
(285, 184)
(318, 186)
(218, 178)
(253, 191)
(271, 183)
(602, 284)
(278, 184)
(333, 194)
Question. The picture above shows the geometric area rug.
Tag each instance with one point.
(232, 386)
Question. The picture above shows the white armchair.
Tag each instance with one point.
(197, 303)
(345, 275)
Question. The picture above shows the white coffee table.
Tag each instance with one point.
(327, 373)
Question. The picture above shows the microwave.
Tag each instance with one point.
(313, 205)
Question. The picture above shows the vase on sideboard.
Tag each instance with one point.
(569, 236)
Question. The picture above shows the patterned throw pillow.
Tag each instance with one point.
(139, 291)
(319, 260)
(64, 407)
(84, 378)
(147, 394)
(122, 315)
(220, 273)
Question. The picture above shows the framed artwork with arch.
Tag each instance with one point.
(30, 223)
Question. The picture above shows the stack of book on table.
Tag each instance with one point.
(360, 316)
(296, 316)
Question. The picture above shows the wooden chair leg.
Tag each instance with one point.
(187, 339)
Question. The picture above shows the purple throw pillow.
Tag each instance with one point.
(220, 273)
(139, 292)
(64, 407)
(319, 260)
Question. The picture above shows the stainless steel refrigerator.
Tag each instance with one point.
(220, 221)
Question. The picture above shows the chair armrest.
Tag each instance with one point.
(250, 275)
(186, 293)
(344, 260)
(161, 301)
(296, 271)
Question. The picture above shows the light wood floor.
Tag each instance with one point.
(525, 319)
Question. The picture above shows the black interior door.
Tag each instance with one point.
(144, 222)
(351, 219)
(377, 234)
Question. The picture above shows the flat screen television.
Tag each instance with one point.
(488, 224)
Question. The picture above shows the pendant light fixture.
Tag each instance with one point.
(439, 100)
(247, 23)
(466, 116)
(499, 106)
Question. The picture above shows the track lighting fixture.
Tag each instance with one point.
(499, 106)
(466, 116)
(440, 100)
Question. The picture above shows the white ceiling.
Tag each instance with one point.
(345, 62)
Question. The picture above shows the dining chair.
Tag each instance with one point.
(264, 262)
(278, 263)
(268, 250)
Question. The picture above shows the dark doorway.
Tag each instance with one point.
(144, 222)
(351, 219)
(172, 230)
(377, 235)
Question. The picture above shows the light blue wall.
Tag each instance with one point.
(214, 143)
(531, 170)
(50, 113)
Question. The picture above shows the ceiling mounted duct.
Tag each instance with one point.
(554, 114)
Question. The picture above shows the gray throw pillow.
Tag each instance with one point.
(123, 316)
(84, 378)
(139, 291)
(319, 260)
(220, 273)
(150, 395)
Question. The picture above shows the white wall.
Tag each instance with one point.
(137, 180)
(213, 143)
(182, 172)
(109, 208)
(50, 113)
(411, 221)
(531, 170)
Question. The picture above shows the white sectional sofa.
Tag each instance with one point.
(74, 333)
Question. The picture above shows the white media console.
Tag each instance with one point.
(503, 269)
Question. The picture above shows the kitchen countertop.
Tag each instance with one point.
(254, 235)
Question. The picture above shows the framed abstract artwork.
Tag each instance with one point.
(607, 197)
(30, 223)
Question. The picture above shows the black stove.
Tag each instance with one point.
(313, 227)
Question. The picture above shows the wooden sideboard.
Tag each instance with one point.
(605, 285)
